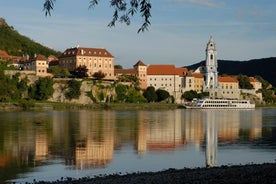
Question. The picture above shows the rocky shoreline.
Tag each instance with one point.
(255, 173)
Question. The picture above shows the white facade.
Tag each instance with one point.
(170, 83)
(211, 65)
(189, 83)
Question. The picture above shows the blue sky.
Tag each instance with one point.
(179, 32)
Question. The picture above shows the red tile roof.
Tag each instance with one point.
(40, 57)
(161, 70)
(182, 71)
(52, 58)
(4, 54)
(81, 51)
(253, 79)
(139, 63)
(197, 75)
(227, 79)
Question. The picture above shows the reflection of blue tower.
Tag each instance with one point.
(211, 139)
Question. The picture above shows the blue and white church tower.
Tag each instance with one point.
(211, 66)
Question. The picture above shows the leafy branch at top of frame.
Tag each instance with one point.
(123, 11)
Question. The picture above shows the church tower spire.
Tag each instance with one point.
(211, 65)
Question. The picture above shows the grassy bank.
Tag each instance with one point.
(96, 106)
(116, 106)
(266, 105)
(26, 105)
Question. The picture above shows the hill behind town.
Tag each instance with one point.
(18, 45)
(264, 67)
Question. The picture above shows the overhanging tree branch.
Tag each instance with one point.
(123, 11)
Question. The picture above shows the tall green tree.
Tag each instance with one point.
(265, 83)
(42, 89)
(121, 92)
(244, 82)
(190, 95)
(11, 87)
(59, 72)
(99, 75)
(135, 96)
(162, 95)
(81, 71)
(150, 94)
(73, 91)
(123, 11)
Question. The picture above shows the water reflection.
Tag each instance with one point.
(229, 126)
(211, 138)
(95, 140)
(159, 132)
(89, 139)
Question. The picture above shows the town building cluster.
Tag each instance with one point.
(175, 80)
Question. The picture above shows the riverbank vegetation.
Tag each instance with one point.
(18, 91)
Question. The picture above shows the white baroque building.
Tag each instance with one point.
(211, 66)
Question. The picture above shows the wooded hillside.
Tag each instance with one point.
(265, 67)
(17, 45)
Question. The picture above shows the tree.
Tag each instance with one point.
(150, 94)
(265, 83)
(123, 11)
(162, 95)
(99, 75)
(121, 92)
(81, 71)
(42, 89)
(73, 91)
(59, 72)
(244, 82)
(190, 95)
(118, 67)
(9, 87)
(134, 96)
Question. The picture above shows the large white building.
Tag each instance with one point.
(167, 77)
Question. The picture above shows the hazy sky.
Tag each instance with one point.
(179, 32)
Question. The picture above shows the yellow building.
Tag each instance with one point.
(229, 87)
(95, 60)
(255, 83)
(198, 82)
(39, 64)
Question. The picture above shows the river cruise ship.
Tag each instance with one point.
(221, 104)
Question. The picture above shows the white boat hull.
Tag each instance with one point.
(221, 104)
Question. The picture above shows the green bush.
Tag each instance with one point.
(73, 91)
(162, 95)
(42, 89)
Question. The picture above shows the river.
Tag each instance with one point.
(49, 145)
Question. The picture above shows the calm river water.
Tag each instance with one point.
(49, 145)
